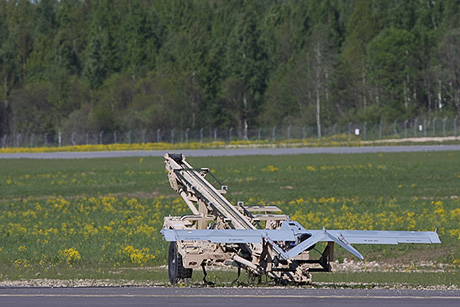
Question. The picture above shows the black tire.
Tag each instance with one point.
(175, 265)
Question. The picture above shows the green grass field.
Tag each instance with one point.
(93, 217)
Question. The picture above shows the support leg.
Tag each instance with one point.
(209, 283)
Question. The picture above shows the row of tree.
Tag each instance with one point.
(82, 65)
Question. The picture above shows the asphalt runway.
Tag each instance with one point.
(231, 152)
(225, 297)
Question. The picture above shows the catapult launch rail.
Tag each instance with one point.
(252, 238)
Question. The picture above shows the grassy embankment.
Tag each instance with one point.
(100, 218)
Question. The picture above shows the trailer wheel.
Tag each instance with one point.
(175, 266)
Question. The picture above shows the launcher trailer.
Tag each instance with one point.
(258, 239)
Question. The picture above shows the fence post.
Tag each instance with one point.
(444, 126)
(201, 135)
(158, 135)
(380, 130)
(215, 135)
(289, 133)
(32, 140)
(424, 127)
(349, 131)
(230, 134)
(101, 134)
(434, 126)
(46, 139)
(274, 134)
(258, 134)
(4, 140)
(364, 130)
(455, 125)
(73, 139)
(129, 137)
(59, 139)
(186, 135)
(172, 136)
(415, 127)
(304, 133)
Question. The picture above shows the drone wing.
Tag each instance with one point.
(289, 233)
(227, 235)
(385, 237)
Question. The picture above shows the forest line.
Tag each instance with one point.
(77, 66)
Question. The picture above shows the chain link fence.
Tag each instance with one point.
(365, 131)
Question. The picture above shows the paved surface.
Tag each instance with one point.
(231, 152)
(224, 297)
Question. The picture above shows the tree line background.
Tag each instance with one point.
(82, 65)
